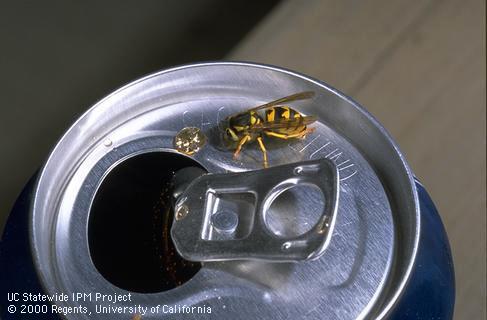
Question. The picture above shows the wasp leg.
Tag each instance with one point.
(264, 151)
(288, 136)
(305, 132)
(240, 145)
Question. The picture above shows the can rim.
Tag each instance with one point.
(385, 306)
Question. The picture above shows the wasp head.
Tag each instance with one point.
(229, 136)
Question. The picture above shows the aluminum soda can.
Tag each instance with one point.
(336, 227)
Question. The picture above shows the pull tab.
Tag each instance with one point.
(223, 216)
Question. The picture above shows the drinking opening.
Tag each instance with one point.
(130, 222)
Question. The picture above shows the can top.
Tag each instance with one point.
(373, 246)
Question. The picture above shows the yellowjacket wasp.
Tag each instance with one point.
(273, 121)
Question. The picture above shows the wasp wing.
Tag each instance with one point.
(283, 123)
(294, 97)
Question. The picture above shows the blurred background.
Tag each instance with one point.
(419, 67)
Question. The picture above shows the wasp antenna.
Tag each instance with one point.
(307, 94)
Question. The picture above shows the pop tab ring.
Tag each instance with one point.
(225, 214)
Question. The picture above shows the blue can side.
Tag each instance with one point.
(430, 293)
(17, 271)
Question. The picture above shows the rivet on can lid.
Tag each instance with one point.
(225, 221)
(189, 140)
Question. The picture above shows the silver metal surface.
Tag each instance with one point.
(222, 224)
(372, 249)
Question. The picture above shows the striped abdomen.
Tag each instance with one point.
(242, 122)
(291, 117)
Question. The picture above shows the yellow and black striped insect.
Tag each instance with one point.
(271, 119)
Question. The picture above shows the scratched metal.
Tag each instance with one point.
(374, 231)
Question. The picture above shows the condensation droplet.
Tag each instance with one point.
(189, 140)
(107, 142)
(286, 246)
